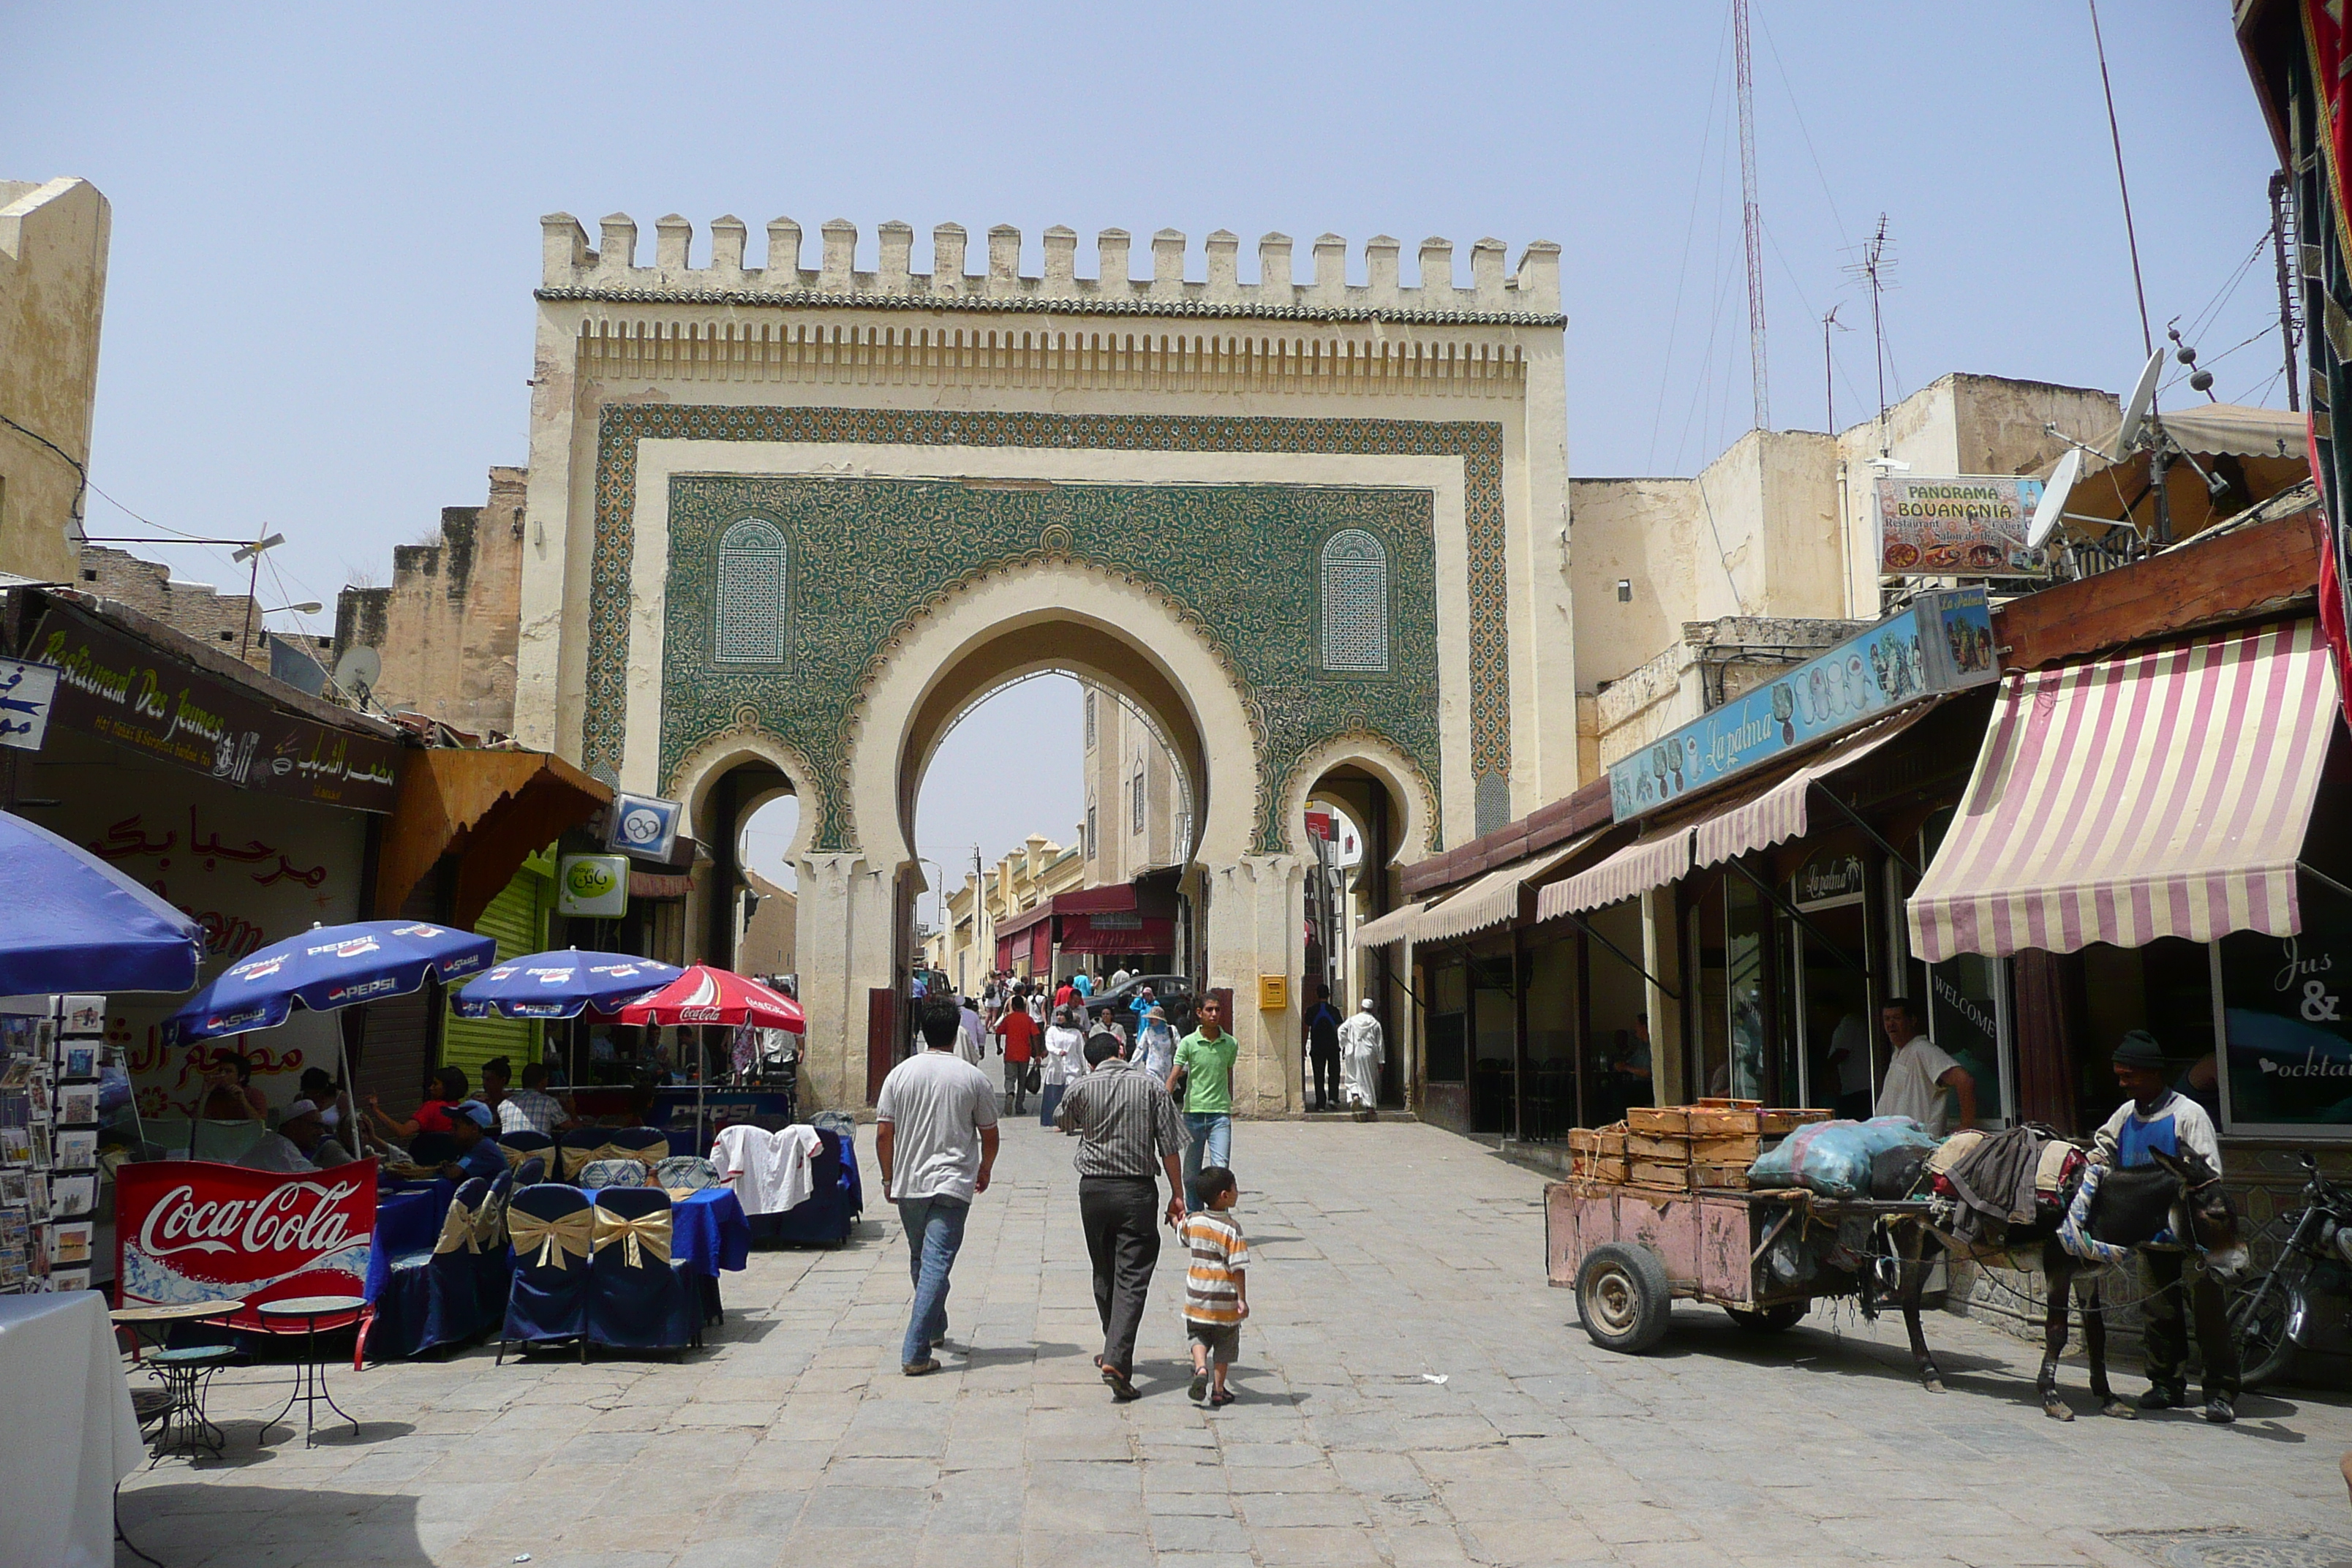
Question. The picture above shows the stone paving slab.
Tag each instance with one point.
(1388, 1257)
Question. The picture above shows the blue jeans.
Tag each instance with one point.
(934, 1236)
(1049, 1099)
(1212, 1144)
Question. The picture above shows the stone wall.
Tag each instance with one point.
(223, 622)
(445, 629)
(53, 244)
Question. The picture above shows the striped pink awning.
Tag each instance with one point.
(1646, 863)
(1780, 812)
(2161, 793)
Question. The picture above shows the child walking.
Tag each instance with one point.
(1217, 1286)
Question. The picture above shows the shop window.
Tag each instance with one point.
(1446, 1037)
(1494, 1033)
(1830, 960)
(753, 592)
(1547, 1087)
(1745, 994)
(1355, 604)
(2289, 1030)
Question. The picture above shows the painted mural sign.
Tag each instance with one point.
(1967, 525)
(1942, 643)
(189, 1230)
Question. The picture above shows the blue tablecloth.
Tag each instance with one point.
(709, 1232)
(407, 1220)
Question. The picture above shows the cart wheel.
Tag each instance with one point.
(1770, 1319)
(1623, 1297)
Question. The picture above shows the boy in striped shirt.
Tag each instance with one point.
(1216, 1287)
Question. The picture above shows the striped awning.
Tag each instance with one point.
(1651, 861)
(1492, 901)
(1781, 812)
(1392, 927)
(2159, 794)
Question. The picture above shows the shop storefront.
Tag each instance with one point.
(249, 804)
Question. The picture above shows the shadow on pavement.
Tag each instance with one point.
(181, 1524)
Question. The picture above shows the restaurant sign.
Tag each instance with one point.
(1942, 643)
(1967, 525)
(189, 1230)
(116, 687)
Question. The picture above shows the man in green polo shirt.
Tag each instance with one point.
(1204, 1066)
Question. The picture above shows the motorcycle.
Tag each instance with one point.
(2271, 1314)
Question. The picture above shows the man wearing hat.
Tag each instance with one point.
(469, 1125)
(300, 1145)
(2157, 1119)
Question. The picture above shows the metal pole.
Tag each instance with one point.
(2285, 290)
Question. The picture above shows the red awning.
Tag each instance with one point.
(1041, 949)
(1016, 924)
(1117, 931)
(1110, 898)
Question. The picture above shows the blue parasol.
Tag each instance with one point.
(69, 921)
(324, 968)
(562, 986)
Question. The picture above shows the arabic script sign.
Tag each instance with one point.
(116, 687)
(188, 1230)
(1943, 642)
(26, 692)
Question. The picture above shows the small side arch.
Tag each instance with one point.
(1416, 801)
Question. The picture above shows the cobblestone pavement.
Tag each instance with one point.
(1388, 1257)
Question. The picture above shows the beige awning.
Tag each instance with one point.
(1390, 928)
(1492, 901)
(1780, 813)
(1651, 861)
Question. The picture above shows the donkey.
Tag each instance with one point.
(2179, 1194)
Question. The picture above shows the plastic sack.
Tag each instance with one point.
(1833, 1158)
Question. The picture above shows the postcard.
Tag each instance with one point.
(17, 1073)
(71, 1196)
(84, 1015)
(74, 1151)
(16, 1146)
(80, 1060)
(78, 1103)
(12, 1193)
(69, 1242)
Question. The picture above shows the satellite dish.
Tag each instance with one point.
(2135, 410)
(358, 669)
(2054, 499)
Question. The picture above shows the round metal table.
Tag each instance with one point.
(185, 1373)
(309, 1372)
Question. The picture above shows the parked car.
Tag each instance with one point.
(1173, 992)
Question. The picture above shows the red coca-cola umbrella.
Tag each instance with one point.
(707, 996)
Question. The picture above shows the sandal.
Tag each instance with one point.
(1219, 1399)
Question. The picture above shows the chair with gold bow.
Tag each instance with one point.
(649, 1146)
(452, 1275)
(521, 1146)
(638, 1299)
(553, 1228)
(579, 1146)
(493, 1263)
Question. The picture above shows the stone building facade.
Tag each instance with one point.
(447, 627)
(1137, 817)
(53, 246)
(229, 624)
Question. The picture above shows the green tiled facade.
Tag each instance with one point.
(1241, 560)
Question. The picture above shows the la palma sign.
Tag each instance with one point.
(188, 1230)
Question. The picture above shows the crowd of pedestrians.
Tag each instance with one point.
(1144, 1104)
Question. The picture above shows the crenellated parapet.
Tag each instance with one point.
(1526, 296)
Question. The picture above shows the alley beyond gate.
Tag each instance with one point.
(1412, 1393)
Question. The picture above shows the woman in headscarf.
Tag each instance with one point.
(1155, 1045)
(1064, 1060)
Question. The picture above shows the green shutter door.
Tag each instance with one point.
(518, 919)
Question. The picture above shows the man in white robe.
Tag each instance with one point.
(1362, 1051)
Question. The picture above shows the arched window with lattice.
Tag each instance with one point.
(1355, 604)
(754, 594)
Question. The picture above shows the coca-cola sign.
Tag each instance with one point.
(189, 1230)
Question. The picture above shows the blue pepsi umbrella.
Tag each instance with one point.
(562, 986)
(324, 968)
(69, 921)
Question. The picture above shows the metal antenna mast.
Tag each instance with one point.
(1751, 218)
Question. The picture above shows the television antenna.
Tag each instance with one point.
(2054, 499)
(358, 671)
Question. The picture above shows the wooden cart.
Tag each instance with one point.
(1629, 1252)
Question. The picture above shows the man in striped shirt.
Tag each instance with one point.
(1129, 1135)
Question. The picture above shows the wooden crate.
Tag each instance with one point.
(1739, 1151)
(1602, 1168)
(1651, 1174)
(1658, 1121)
(1719, 1175)
(1608, 1141)
(1788, 1120)
(1719, 1102)
(1660, 1151)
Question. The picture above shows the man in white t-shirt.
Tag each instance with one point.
(1918, 1073)
(935, 1137)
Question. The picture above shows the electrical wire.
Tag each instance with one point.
(1690, 232)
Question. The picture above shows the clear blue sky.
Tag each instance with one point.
(326, 236)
